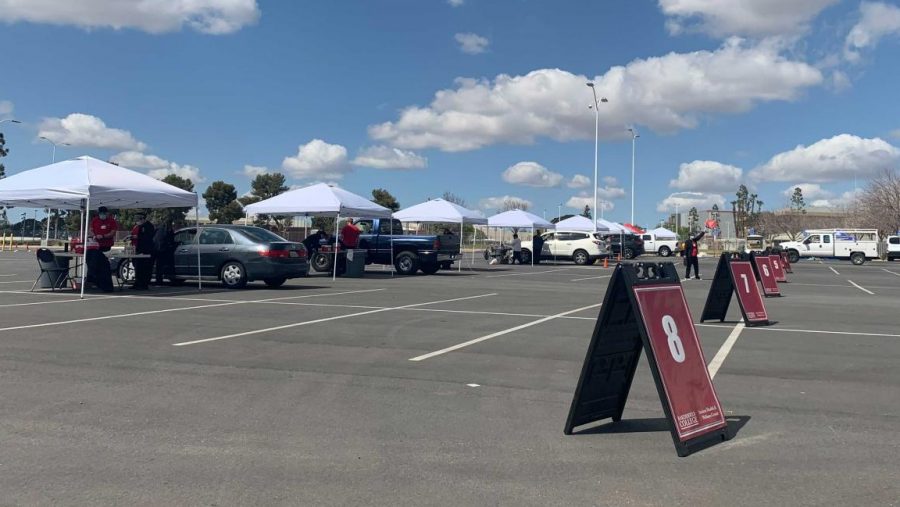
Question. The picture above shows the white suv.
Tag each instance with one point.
(893, 247)
(579, 246)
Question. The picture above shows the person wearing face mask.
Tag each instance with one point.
(104, 227)
(142, 239)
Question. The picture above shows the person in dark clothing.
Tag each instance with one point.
(691, 253)
(538, 243)
(312, 243)
(164, 245)
(142, 240)
(98, 271)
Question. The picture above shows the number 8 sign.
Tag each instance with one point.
(674, 344)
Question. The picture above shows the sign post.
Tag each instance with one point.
(778, 268)
(734, 274)
(765, 273)
(645, 309)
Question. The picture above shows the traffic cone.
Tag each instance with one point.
(606, 262)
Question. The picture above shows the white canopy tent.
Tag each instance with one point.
(576, 223)
(320, 200)
(662, 232)
(85, 183)
(519, 219)
(611, 227)
(442, 211)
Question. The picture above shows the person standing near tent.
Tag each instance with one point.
(164, 245)
(349, 234)
(691, 253)
(537, 244)
(142, 239)
(104, 227)
(517, 249)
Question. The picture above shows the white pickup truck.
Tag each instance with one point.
(892, 244)
(662, 245)
(854, 244)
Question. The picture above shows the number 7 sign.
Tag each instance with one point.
(734, 275)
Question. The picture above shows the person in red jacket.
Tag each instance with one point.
(103, 228)
(350, 234)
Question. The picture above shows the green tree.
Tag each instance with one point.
(587, 211)
(263, 187)
(4, 151)
(746, 208)
(221, 201)
(384, 198)
(693, 219)
(798, 204)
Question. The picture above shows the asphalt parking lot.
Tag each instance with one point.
(450, 389)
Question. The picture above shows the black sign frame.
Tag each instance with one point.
(614, 352)
(722, 289)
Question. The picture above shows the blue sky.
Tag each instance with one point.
(481, 98)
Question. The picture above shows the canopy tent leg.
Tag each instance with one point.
(197, 242)
(47, 232)
(462, 238)
(532, 246)
(84, 266)
(337, 220)
(393, 268)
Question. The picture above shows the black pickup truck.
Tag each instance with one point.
(410, 253)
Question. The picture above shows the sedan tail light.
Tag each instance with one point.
(274, 254)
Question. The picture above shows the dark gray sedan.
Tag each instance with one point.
(232, 254)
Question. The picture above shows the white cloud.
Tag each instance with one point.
(531, 174)
(456, 3)
(839, 158)
(385, 157)
(811, 191)
(153, 16)
(471, 43)
(895, 133)
(846, 199)
(839, 81)
(610, 180)
(741, 17)
(495, 203)
(158, 167)
(6, 108)
(876, 21)
(84, 130)
(578, 202)
(252, 171)
(688, 200)
(579, 181)
(610, 192)
(707, 176)
(666, 94)
(318, 159)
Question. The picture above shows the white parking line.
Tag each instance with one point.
(20, 281)
(529, 273)
(810, 331)
(499, 333)
(167, 310)
(861, 288)
(835, 271)
(720, 356)
(891, 272)
(589, 278)
(10, 275)
(326, 319)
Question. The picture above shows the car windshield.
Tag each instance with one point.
(261, 235)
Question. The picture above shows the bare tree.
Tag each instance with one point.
(455, 199)
(879, 204)
(511, 203)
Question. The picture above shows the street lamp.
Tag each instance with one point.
(596, 107)
(634, 136)
(53, 158)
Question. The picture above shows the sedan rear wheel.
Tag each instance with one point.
(580, 257)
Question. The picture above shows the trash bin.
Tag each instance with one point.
(356, 263)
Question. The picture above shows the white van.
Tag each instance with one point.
(854, 244)
(662, 245)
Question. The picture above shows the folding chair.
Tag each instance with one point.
(58, 276)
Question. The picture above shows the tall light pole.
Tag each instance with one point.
(52, 161)
(53, 157)
(634, 136)
(596, 107)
